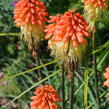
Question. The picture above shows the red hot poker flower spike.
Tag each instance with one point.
(30, 16)
(67, 34)
(30, 12)
(46, 98)
(96, 3)
(68, 26)
(106, 76)
(93, 10)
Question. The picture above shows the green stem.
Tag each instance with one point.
(41, 76)
(63, 87)
(86, 89)
(71, 93)
(71, 89)
(95, 73)
(9, 34)
(102, 20)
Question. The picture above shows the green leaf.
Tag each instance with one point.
(36, 84)
(27, 71)
(86, 89)
(101, 20)
(9, 34)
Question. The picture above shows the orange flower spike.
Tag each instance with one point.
(70, 25)
(30, 11)
(93, 10)
(30, 16)
(107, 69)
(106, 83)
(96, 3)
(67, 34)
(106, 76)
(46, 98)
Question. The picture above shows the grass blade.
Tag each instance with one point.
(9, 34)
(86, 89)
(31, 88)
(35, 68)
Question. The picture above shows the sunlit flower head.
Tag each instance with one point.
(30, 16)
(106, 76)
(67, 34)
(93, 9)
(46, 98)
(96, 3)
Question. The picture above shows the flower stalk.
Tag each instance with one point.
(71, 89)
(95, 72)
(70, 70)
(41, 76)
(63, 86)
(86, 89)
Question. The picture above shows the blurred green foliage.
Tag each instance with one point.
(15, 58)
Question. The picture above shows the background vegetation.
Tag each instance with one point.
(15, 58)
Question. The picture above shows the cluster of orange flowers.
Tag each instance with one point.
(30, 12)
(96, 3)
(69, 26)
(30, 15)
(93, 10)
(106, 76)
(66, 34)
(46, 98)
